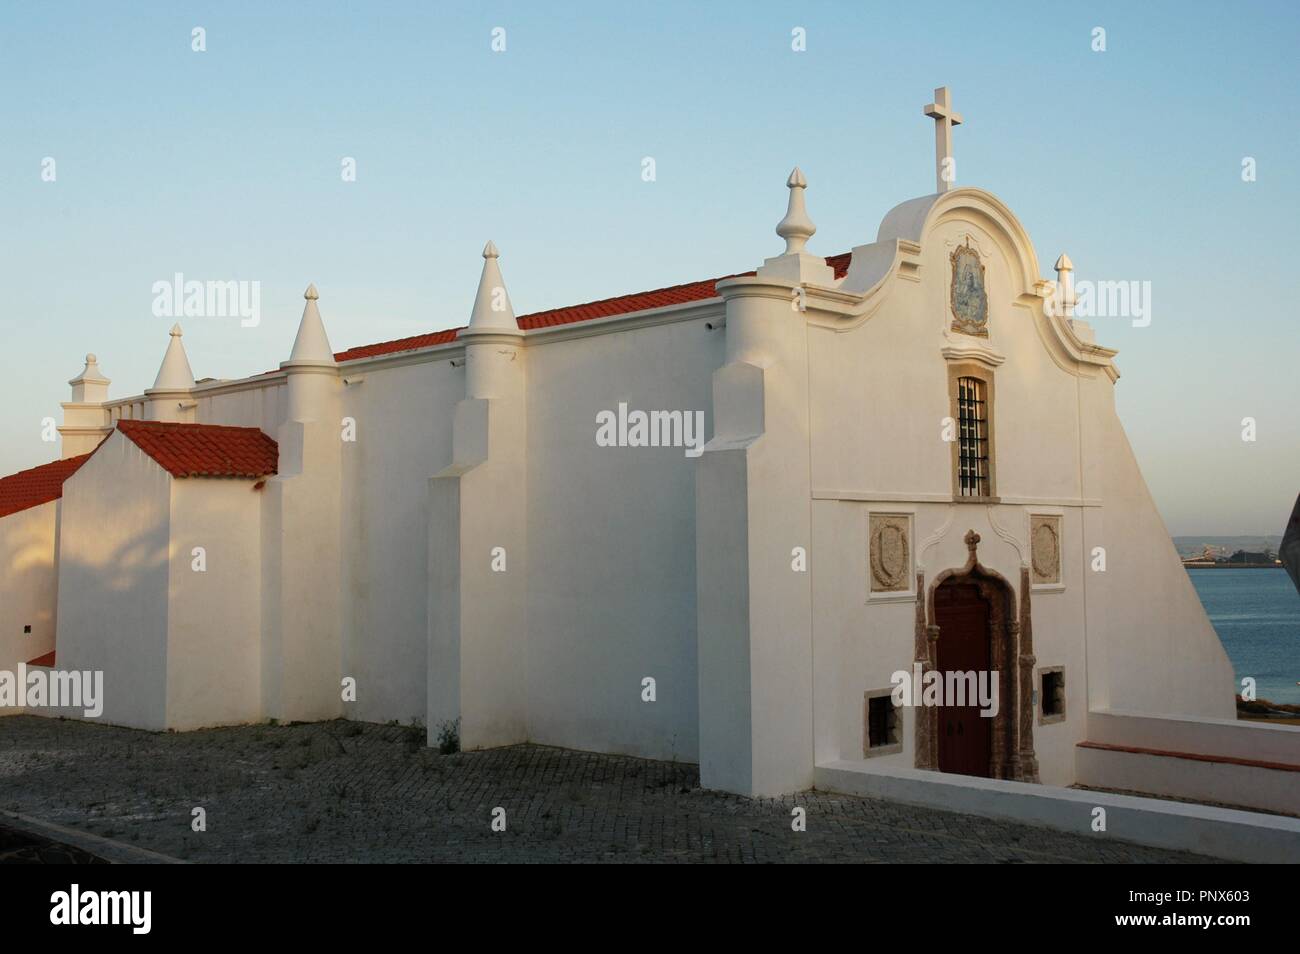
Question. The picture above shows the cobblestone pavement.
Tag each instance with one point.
(349, 791)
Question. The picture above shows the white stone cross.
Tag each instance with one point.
(944, 119)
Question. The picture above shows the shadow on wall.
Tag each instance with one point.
(27, 584)
(112, 616)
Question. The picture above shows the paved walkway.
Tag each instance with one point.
(347, 791)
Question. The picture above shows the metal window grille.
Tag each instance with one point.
(972, 438)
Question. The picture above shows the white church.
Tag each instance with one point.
(708, 523)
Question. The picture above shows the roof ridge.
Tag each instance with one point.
(37, 485)
(133, 422)
(680, 294)
(45, 466)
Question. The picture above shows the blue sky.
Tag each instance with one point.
(225, 164)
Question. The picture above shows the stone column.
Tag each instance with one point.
(1028, 761)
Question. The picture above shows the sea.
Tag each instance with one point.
(1257, 616)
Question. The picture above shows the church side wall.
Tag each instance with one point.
(214, 620)
(28, 583)
(403, 427)
(1159, 652)
(112, 607)
(612, 583)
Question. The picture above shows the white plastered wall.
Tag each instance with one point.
(214, 618)
(28, 583)
(113, 580)
(611, 589)
(403, 417)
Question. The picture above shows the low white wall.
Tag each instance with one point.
(1218, 832)
(1223, 783)
(1229, 738)
(1251, 786)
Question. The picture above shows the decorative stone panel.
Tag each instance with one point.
(1045, 548)
(890, 553)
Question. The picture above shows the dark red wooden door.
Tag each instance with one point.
(965, 737)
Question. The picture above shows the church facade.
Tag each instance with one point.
(713, 523)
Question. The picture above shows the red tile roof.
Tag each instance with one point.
(401, 344)
(48, 658)
(205, 450)
(31, 488)
(605, 308)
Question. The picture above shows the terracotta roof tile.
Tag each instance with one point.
(205, 450)
(401, 344)
(31, 488)
(605, 308)
(48, 658)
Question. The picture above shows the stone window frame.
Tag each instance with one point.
(891, 748)
(908, 595)
(1043, 717)
(982, 371)
(1030, 514)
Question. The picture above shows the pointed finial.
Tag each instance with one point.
(796, 228)
(311, 344)
(174, 373)
(1065, 298)
(492, 309)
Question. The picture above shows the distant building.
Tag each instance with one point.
(1246, 556)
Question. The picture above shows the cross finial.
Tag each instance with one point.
(972, 541)
(945, 117)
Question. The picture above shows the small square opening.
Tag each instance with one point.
(1053, 694)
(27, 629)
(884, 725)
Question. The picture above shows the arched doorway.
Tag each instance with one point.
(963, 615)
(970, 622)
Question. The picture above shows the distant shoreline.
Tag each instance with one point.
(1233, 566)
